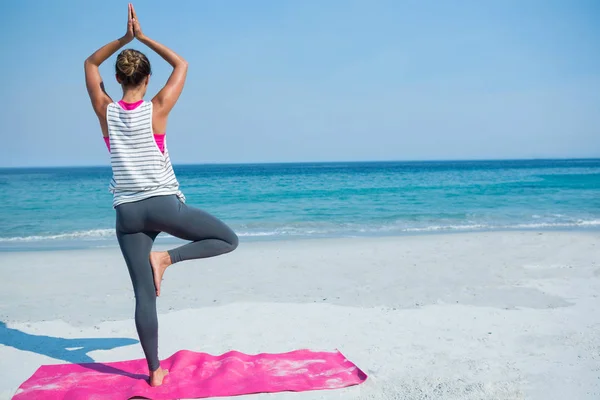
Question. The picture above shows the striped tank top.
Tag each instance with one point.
(140, 169)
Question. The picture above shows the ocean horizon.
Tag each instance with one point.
(408, 161)
(70, 207)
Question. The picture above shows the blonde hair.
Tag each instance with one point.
(132, 67)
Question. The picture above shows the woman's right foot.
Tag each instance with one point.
(156, 377)
(159, 260)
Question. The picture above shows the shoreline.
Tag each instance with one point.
(469, 316)
(50, 245)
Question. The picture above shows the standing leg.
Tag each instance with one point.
(136, 249)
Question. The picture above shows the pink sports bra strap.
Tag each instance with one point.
(130, 106)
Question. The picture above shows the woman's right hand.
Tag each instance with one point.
(137, 28)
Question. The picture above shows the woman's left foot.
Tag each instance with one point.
(159, 260)
(157, 377)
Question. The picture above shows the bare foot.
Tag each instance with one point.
(159, 260)
(156, 377)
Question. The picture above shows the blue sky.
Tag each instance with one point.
(279, 80)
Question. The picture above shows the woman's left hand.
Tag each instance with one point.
(129, 35)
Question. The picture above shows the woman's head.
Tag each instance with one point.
(132, 68)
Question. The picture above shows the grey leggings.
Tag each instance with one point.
(138, 224)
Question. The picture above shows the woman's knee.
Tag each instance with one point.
(145, 295)
(230, 237)
(234, 241)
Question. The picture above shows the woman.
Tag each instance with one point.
(146, 193)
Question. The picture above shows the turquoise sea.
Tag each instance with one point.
(71, 207)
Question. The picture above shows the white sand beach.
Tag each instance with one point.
(500, 315)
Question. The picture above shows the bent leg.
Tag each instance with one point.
(136, 249)
(210, 236)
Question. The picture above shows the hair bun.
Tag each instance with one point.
(129, 63)
(132, 66)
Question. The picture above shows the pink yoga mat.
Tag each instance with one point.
(194, 375)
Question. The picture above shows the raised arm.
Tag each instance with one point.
(166, 98)
(93, 81)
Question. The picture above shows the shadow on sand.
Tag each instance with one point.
(70, 350)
